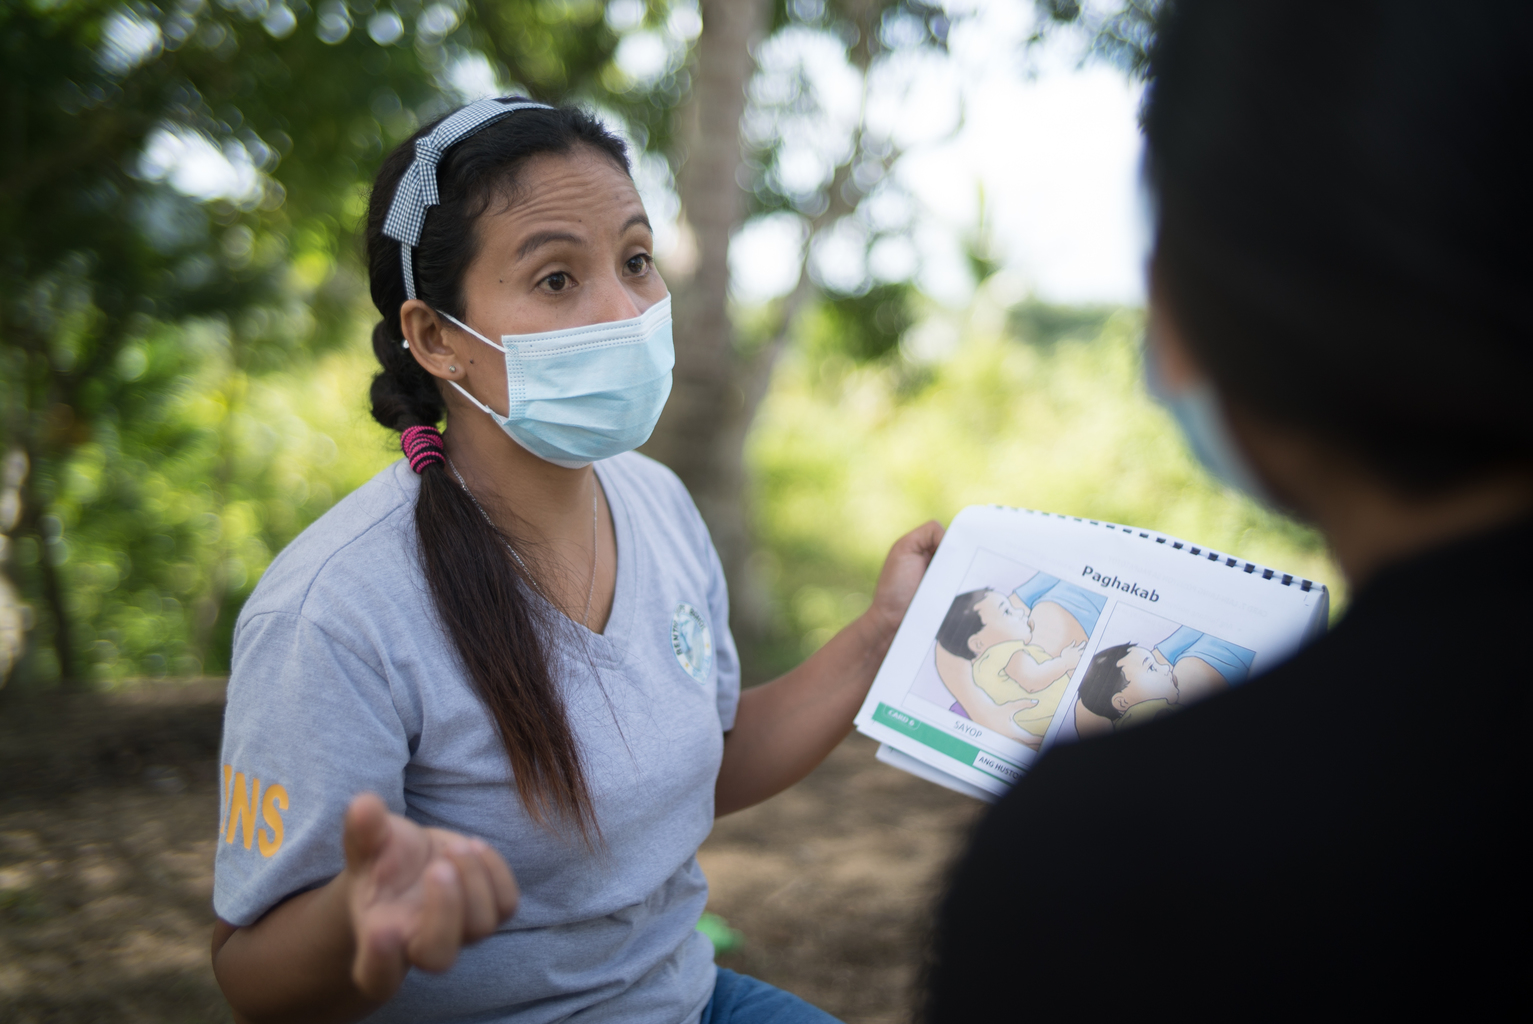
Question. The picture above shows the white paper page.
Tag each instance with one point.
(905, 763)
(1197, 622)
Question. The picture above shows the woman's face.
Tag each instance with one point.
(572, 249)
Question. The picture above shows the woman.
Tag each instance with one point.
(498, 679)
(1340, 319)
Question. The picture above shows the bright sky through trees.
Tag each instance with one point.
(1051, 144)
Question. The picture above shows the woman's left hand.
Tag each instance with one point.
(786, 727)
(902, 573)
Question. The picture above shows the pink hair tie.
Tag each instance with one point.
(423, 447)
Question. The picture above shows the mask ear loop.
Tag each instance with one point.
(499, 348)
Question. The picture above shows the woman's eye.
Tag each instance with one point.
(640, 263)
(557, 282)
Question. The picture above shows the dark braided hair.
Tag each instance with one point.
(480, 593)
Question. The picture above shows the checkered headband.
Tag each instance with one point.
(417, 189)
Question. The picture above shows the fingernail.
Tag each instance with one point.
(445, 872)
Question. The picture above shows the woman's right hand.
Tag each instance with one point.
(416, 895)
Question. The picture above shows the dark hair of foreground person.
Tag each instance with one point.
(1342, 252)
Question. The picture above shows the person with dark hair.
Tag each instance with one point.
(482, 712)
(1339, 321)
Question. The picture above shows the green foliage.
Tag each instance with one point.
(180, 195)
(862, 327)
(806, 155)
(874, 27)
(846, 458)
(565, 49)
(1043, 323)
(1121, 33)
(183, 359)
(163, 521)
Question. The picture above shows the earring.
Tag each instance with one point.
(452, 369)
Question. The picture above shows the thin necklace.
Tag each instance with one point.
(590, 588)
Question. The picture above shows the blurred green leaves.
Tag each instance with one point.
(182, 309)
(180, 195)
(1043, 323)
(1121, 32)
(863, 328)
(1035, 406)
(163, 520)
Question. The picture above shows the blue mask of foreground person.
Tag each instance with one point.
(584, 394)
(1198, 411)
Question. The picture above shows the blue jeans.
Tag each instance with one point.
(741, 999)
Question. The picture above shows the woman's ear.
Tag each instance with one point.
(436, 348)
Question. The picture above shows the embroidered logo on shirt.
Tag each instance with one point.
(692, 641)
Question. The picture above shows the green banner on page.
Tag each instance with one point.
(946, 743)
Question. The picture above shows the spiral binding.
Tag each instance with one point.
(1205, 554)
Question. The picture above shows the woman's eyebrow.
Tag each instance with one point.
(539, 239)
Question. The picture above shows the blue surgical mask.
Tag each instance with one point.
(586, 393)
(1200, 414)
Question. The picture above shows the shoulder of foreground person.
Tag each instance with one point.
(1341, 828)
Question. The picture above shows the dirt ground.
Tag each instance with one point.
(108, 808)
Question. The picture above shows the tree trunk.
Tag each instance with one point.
(702, 434)
(52, 586)
(210, 603)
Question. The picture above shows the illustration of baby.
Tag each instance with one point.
(1007, 659)
(1128, 684)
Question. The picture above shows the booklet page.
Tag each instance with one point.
(1031, 629)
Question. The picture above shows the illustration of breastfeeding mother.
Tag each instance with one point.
(1129, 684)
(1007, 659)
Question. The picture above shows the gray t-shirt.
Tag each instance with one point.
(344, 680)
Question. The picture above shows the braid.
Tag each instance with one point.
(403, 393)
